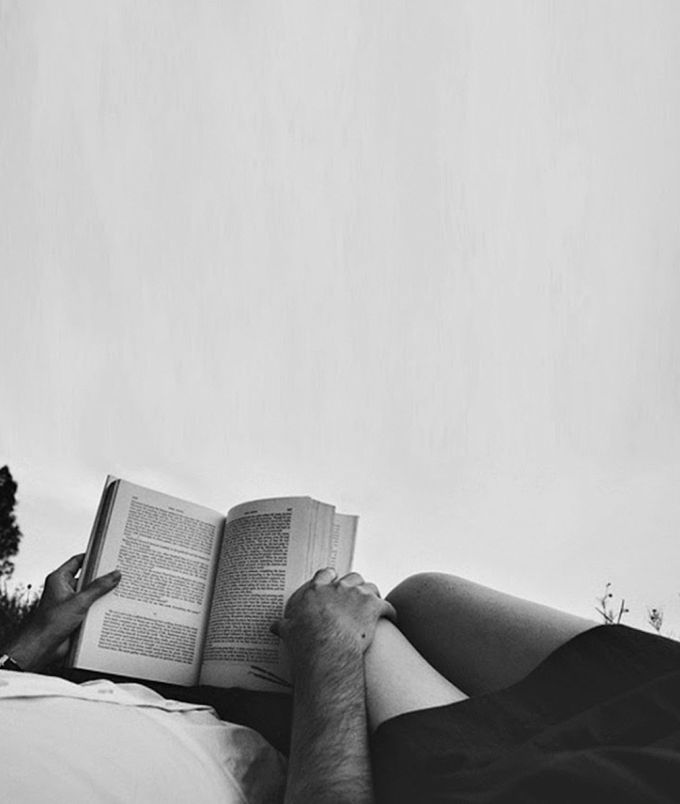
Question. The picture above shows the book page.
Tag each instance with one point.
(269, 548)
(153, 624)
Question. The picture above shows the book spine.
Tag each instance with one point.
(94, 547)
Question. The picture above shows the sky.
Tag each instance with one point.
(420, 261)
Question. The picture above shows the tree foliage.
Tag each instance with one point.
(10, 534)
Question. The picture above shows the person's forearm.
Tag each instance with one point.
(329, 757)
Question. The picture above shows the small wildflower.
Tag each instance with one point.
(605, 609)
(655, 619)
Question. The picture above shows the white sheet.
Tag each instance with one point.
(105, 742)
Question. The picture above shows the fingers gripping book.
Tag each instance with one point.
(200, 590)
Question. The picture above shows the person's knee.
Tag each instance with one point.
(416, 589)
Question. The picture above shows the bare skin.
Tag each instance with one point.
(477, 637)
(328, 625)
(457, 638)
(61, 610)
(355, 669)
(399, 679)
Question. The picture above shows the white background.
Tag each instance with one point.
(420, 260)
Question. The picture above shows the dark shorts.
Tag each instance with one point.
(598, 720)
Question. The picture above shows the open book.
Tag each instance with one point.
(200, 590)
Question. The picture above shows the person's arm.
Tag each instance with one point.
(44, 638)
(327, 626)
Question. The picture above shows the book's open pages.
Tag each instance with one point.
(153, 624)
(269, 548)
(199, 591)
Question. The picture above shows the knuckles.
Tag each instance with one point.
(351, 592)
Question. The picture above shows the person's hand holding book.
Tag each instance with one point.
(45, 637)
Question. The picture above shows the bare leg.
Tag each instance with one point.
(399, 680)
(476, 637)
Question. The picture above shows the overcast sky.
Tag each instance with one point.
(421, 261)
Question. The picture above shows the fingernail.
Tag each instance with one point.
(116, 575)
